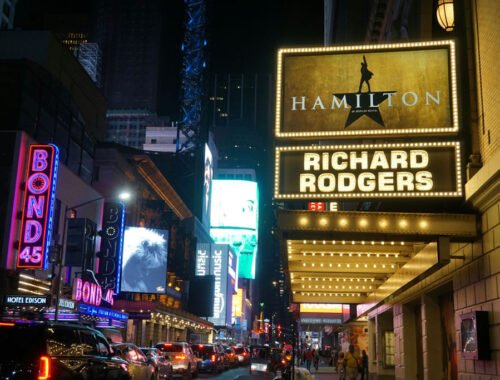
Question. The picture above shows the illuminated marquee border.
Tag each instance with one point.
(366, 132)
(53, 160)
(454, 144)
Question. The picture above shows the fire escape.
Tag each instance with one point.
(193, 67)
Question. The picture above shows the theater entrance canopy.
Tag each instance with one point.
(365, 257)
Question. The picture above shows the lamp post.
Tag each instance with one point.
(121, 197)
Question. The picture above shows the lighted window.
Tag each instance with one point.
(388, 349)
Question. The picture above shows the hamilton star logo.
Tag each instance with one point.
(364, 103)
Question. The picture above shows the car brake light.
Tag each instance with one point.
(180, 357)
(213, 358)
(44, 370)
(7, 324)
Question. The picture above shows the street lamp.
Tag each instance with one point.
(446, 15)
(122, 196)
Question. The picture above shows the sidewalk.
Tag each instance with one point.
(324, 372)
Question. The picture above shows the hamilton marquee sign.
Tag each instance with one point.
(371, 90)
(404, 170)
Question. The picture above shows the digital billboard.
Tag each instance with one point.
(144, 268)
(38, 203)
(234, 220)
(367, 90)
(220, 261)
(404, 170)
(208, 174)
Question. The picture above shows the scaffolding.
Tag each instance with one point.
(193, 67)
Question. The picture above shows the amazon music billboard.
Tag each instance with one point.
(371, 90)
(220, 261)
(399, 170)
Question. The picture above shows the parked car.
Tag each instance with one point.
(243, 355)
(138, 365)
(49, 350)
(231, 356)
(211, 357)
(181, 356)
(163, 367)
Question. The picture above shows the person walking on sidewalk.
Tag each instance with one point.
(341, 366)
(316, 359)
(309, 358)
(351, 363)
(364, 365)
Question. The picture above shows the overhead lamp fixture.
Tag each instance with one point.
(445, 15)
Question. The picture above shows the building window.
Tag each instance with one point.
(153, 141)
(388, 349)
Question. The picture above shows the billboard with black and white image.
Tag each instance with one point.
(144, 265)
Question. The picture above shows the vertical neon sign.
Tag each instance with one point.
(38, 204)
(110, 255)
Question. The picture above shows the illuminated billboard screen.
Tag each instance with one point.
(371, 90)
(144, 268)
(234, 220)
(403, 170)
(208, 173)
(220, 261)
(39, 197)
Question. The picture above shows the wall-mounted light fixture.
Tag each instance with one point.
(445, 15)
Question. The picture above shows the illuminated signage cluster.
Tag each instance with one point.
(358, 92)
(39, 196)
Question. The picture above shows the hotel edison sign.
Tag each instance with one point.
(368, 171)
(372, 90)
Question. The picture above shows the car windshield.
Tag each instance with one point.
(239, 350)
(201, 349)
(169, 347)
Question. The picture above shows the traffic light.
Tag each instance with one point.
(80, 243)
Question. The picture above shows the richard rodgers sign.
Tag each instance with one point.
(368, 171)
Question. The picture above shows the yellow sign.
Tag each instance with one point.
(404, 170)
(237, 303)
(320, 308)
(372, 90)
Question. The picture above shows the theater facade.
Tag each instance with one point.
(378, 132)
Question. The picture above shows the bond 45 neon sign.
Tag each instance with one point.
(39, 196)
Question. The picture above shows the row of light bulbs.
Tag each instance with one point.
(317, 294)
(350, 254)
(339, 265)
(336, 287)
(343, 242)
(344, 279)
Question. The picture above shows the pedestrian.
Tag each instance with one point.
(364, 365)
(309, 358)
(316, 359)
(341, 366)
(351, 363)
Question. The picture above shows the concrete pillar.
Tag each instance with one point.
(408, 337)
(432, 339)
